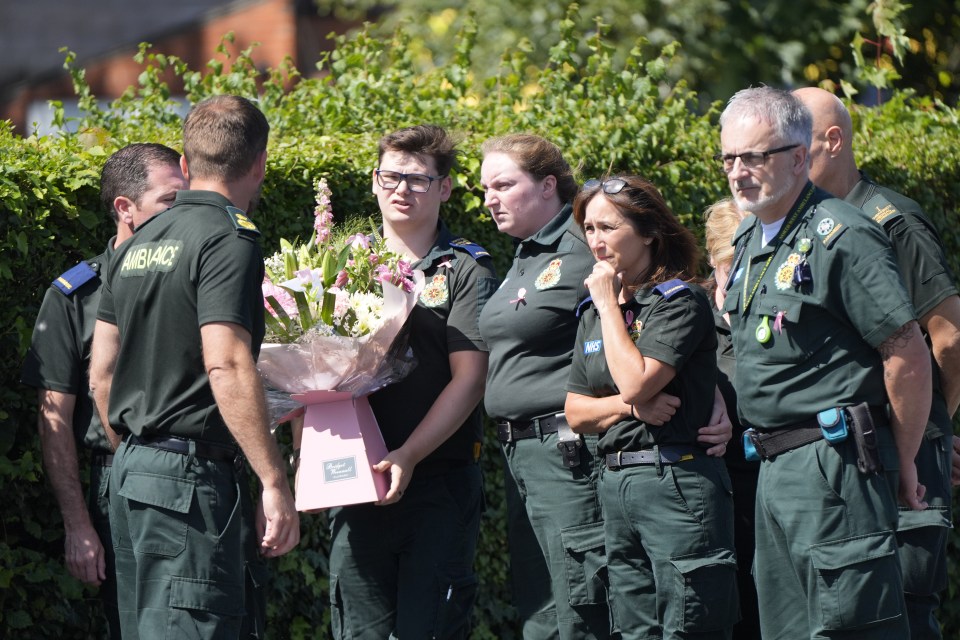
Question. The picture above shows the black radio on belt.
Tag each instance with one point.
(568, 443)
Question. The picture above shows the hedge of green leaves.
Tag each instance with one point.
(607, 117)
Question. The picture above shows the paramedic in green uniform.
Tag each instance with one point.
(823, 326)
(921, 535)
(403, 568)
(667, 506)
(137, 182)
(173, 371)
(529, 325)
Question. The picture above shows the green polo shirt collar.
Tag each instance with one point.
(861, 191)
(553, 230)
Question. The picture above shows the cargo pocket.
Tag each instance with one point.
(857, 581)
(456, 604)
(157, 507)
(204, 609)
(704, 594)
(585, 560)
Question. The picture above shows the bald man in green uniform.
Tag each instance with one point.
(833, 359)
(922, 535)
(137, 182)
(173, 370)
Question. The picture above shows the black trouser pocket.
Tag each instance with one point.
(453, 614)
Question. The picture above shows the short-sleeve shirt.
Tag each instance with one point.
(922, 263)
(672, 323)
(191, 265)
(59, 355)
(530, 323)
(459, 280)
(823, 334)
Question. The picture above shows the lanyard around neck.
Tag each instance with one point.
(778, 240)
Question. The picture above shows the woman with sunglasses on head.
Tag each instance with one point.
(648, 329)
(530, 325)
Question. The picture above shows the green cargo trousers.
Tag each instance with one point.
(670, 550)
(182, 532)
(531, 589)
(98, 505)
(826, 562)
(922, 539)
(564, 511)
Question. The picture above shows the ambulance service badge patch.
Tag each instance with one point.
(550, 276)
(785, 271)
(435, 293)
(826, 226)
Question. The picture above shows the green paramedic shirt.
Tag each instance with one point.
(530, 323)
(922, 263)
(459, 279)
(59, 354)
(672, 323)
(824, 335)
(196, 263)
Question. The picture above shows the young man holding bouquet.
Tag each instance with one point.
(404, 567)
(178, 330)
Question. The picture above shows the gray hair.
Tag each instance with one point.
(788, 116)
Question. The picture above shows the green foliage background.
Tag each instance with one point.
(727, 44)
(609, 113)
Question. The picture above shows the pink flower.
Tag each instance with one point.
(281, 295)
(342, 278)
(384, 274)
(404, 268)
(359, 241)
(373, 258)
(323, 213)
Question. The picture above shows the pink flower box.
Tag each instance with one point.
(341, 442)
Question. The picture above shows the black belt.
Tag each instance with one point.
(102, 459)
(511, 430)
(201, 448)
(661, 455)
(777, 441)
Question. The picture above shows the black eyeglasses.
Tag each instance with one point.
(750, 159)
(610, 185)
(416, 182)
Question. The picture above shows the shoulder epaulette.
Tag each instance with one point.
(74, 277)
(671, 288)
(583, 305)
(244, 225)
(829, 230)
(881, 210)
(472, 248)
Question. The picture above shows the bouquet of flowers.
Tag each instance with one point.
(334, 308)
